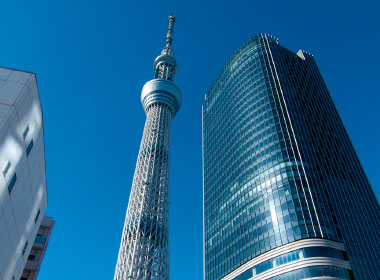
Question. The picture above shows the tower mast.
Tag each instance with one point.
(144, 248)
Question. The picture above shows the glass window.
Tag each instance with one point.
(40, 239)
(29, 148)
(26, 130)
(25, 246)
(37, 215)
(12, 183)
(31, 258)
(291, 257)
(6, 168)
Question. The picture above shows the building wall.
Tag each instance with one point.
(345, 202)
(23, 196)
(38, 250)
(280, 173)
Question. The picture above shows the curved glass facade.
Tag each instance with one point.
(315, 271)
(278, 165)
(300, 254)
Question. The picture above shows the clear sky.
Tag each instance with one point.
(93, 57)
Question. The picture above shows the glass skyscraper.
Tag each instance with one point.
(285, 195)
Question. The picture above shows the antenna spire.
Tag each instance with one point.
(169, 36)
(165, 65)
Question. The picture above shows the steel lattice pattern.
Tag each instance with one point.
(144, 249)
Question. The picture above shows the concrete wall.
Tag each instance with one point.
(20, 111)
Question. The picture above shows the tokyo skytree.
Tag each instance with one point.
(144, 248)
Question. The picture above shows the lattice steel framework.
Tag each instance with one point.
(144, 248)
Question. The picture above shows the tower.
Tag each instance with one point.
(144, 248)
(285, 195)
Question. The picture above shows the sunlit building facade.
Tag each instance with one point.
(23, 195)
(285, 196)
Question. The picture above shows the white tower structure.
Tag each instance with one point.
(144, 248)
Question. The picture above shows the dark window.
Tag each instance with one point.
(37, 215)
(29, 148)
(25, 246)
(23, 278)
(339, 232)
(25, 132)
(6, 168)
(12, 183)
(326, 193)
(331, 207)
(345, 255)
(40, 239)
(31, 258)
(351, 177)
(335, 220)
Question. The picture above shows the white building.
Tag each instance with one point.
(23, 195)
(38, 250)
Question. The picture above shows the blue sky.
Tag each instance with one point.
(92, 59)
